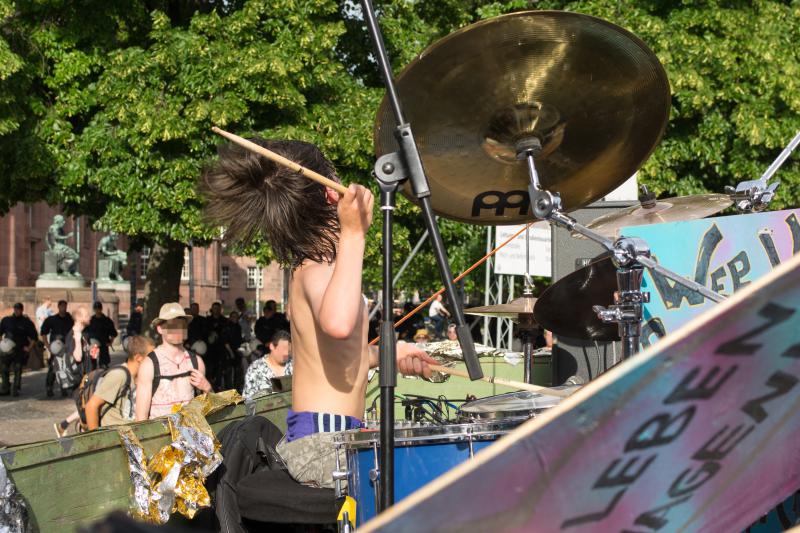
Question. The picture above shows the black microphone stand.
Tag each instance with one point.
(392, 170)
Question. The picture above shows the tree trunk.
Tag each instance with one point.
(163, 279)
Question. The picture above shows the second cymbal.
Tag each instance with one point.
(666, 210)
(523, 305)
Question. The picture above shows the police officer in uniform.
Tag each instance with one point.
(55, 327)
(19, 330)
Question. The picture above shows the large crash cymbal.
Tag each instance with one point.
(595, 96)
(565, 308)
(524, 305)
(666, 210)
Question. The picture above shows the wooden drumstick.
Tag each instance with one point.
(269, 154)
(501, 381)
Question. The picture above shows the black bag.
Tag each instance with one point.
(157, 377)
(247, 446)
(88, 386)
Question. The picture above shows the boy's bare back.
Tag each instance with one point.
(329, 374)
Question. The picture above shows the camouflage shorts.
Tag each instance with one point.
(312, 459)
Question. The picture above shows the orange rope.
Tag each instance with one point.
(460, 276)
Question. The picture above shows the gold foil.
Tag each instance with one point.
(173, 479)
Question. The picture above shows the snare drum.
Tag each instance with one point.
(421, 455)
(516, 406)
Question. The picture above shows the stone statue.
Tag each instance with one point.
(66, 258)
(110, 259)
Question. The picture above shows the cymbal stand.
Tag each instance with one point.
(756, 194)
(392, 170)
(629, 254)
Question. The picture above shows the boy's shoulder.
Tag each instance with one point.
(311, 274)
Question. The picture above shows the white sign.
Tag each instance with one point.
(510, 259)
(628, 191)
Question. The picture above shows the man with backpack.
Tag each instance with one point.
(55, 330)
(110, 395)
(104, 397)
(170, 374)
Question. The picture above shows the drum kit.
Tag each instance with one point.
(525, 116)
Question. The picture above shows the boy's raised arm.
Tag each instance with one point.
(335, 296)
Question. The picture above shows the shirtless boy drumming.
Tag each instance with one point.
(321, 237)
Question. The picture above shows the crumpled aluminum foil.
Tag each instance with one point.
(173, 478)
(13, 511)
(452, 350)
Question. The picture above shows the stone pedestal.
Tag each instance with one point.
(56, 281)
(52, 279)
(109, 270)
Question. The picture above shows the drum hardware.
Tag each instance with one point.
(756, 194)
(511, 406)
(520, 310)
(375, 475)
(391, 170)
(628, 255)
(339, 475)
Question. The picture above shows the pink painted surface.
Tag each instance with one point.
(701, 433)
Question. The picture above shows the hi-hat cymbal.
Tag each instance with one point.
(592, 93)
(513, 309)
(666, 210)
(565, 308)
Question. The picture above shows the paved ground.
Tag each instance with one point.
(29, 417)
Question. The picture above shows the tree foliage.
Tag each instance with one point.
(106, 107)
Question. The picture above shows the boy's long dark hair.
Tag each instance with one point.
(253, 197)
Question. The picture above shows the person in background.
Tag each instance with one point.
(20, 336)
(216, 325)
(406, 330)
(233, 377)
(275, 364)
(134, 326)
(102, 328)
(437, 314)
(245, 320)
(113, 399)
(421, 338)
(82, 354)
(55, 327)
(452, 335)
(197, 327)
(179, 378)
(270, 322)
(43, 311)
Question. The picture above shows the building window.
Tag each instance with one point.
(144, 261)
(225, 277)
(185, 269)
(254, 276)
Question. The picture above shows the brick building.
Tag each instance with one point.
(216, 275)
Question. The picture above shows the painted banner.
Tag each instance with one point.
(725, 254)
(698, 433)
